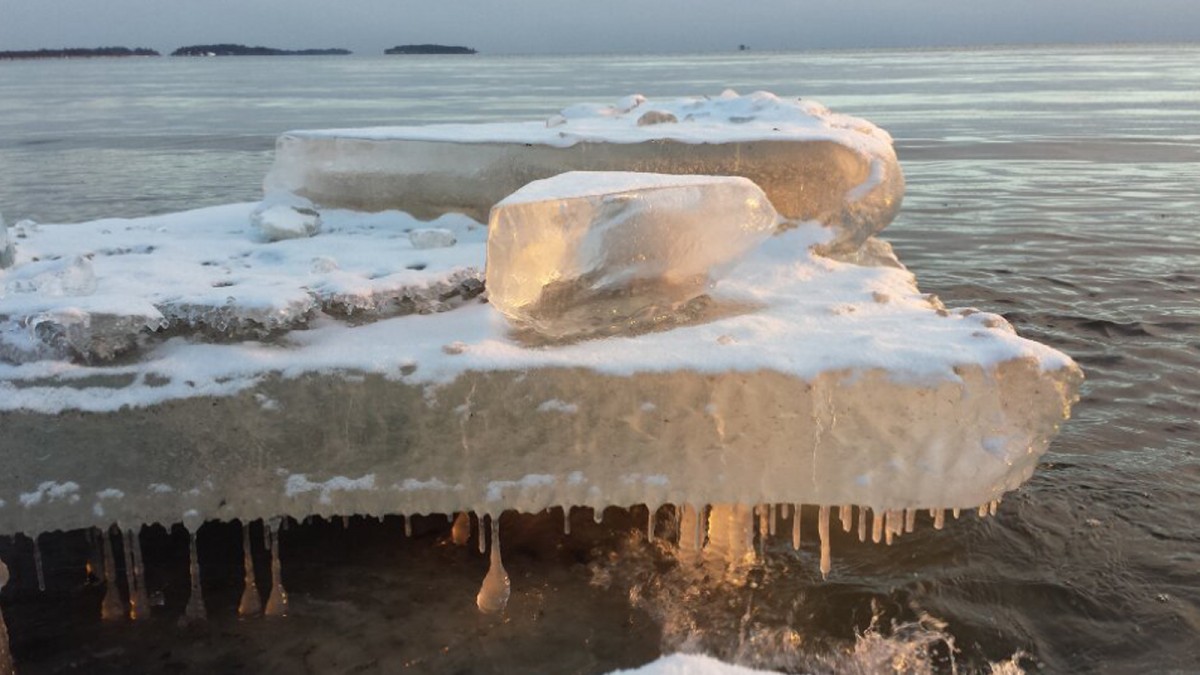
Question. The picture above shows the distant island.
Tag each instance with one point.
(78, 53)
(243, 50)
(429, 49)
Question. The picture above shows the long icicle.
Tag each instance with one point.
(862, 523)
(111, 608)
(846, 511)
(823, 531)
(877, 518)
(195, 606)
(482, 533)
(493, 594)
(651, 513)
(566, 522)
(939, 519)
(772, 523)
(910, 520)
(37, 563)
(6, 661)
(796, 527)
(277, 603)
(251, 602)
(135, 576)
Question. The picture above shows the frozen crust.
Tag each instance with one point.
(528, 440)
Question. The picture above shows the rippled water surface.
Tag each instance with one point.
(1058, 186)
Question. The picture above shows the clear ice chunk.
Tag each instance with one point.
(69, 276)
(286, 216)
(432, 237)
(586, 252)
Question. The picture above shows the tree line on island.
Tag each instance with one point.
(220, 50)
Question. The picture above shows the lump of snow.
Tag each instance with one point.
(292, 218)
(585, 252)
(432, 237)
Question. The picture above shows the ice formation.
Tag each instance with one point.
(586, 252)
(288, 217)
(813, 164)
(7, 254)
(193, 367)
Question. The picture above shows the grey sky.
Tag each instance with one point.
(545, 26)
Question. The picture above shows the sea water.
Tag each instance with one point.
(1059, 186)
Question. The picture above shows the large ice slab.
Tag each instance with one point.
(813, 164)
(845, 385)
(588, 252)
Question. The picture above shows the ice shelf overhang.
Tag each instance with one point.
(839, 384)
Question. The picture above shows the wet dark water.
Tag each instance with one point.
(1058, 186)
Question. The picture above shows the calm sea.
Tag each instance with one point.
(1059, 186)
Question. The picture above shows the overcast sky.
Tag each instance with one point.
(570, 26)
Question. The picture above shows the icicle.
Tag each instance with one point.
(482, 538)
(598, 515)
(796, 527)
(408, 526)
(983, 510)
(251, 602)
(933, 513)
(955, 512)
(277, 602)
(701, 526)
(566, 522)
(37, 564)
(877, 525)
(345, 522)
(731, 531)
(823, 532)
(890, 525)
(195, 606)
(763, 523)
(846, 511)
(651, 512)
(910, 520)
(862, 523)
(493, 594)
(690, 535)
(993, 506)
(135, 577)
(110, 607)
(6, 662)
(939, 519)
(773, 516)
(460, 532)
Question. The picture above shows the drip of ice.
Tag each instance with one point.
(588, 253)
(876, 525)
(910, 520)
(6, 660)
(493, 594)
(566, 521)
(277, 603)
(823, 532)
(862, 523)
(773, 516)
(598, 515)
(37, 558)
(135, 576)
(939, 518)
(796, 527)
(251, 602)
(111, 608)
(846, 511)
(691, 531)
(651, 513)
(460, 532)
(408, 526)
(195, 611)
(731, 532)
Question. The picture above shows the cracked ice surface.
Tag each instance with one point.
(812, 163)
(835, 389)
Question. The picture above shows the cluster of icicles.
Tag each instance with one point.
(725, 530)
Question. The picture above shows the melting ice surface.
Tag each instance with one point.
(837, 387)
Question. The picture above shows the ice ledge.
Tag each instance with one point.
(813, 164)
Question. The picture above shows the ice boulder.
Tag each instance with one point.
(282, 217)
(585, 251)
(812, 163)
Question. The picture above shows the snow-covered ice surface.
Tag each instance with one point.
(690, 664)
(813, 164)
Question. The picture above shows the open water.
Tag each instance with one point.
(1059, 186)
